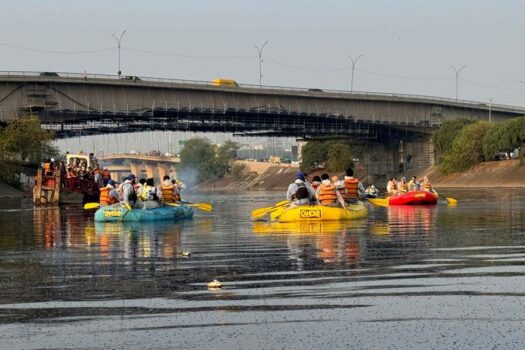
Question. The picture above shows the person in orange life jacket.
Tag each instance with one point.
(354, 189)
(48, 170)
(300, 192)
(327, 194)
(391, 187)
(167, 190)
(426, 185)
(402, 186)
(108, 194)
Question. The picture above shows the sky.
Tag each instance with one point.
(407, 46)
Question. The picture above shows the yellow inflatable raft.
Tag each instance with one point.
(306, 213)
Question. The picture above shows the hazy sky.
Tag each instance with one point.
(407, 45)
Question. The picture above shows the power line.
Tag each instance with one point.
(57, 51)
(157, 53)
(491, 86)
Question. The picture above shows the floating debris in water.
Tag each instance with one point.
(186, 254)
(215, 284)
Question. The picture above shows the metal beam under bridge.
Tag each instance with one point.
(73, 104)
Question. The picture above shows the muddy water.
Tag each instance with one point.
(407, 277)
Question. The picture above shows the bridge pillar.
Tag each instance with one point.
(135, 169)
(163, 170)
(150, 170)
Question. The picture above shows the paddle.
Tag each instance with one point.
(202, 206)
(380, 202)
(126, 213)
(92, 205)
(259, 213)
(450, 200)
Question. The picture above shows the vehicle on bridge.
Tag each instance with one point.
(225, 82)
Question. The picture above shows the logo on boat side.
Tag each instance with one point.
(310, 214)
(112, 213)
(419, 195)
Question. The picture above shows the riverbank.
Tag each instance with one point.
(501, 174)
(11, 192)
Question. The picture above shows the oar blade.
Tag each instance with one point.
(89, 206)
(379, 202)
(203, 206)
(259, 213)
(452, 201)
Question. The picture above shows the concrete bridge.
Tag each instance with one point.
(85, 103)
(142, 165)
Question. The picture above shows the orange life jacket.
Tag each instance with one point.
(427, 186)
(47, 167)
(352, 189)
(327, 195)
(168, 195)
(105, 199)
(403, 187)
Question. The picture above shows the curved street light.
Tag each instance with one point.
(260, 50)
(354, 62)
(457, 70)
(119, 40)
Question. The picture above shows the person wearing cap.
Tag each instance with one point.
(300, 192)
(129, 196)
(108, 194)
(149, 195)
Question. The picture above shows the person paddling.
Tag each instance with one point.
(300, 192)
(353, 187)
(108, 194)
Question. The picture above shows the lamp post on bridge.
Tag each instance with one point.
(260, 50)
(457, 70)
(119, 40)
(354, 62)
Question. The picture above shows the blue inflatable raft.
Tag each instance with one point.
(118, 213)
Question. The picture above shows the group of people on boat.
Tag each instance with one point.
(325, 190)
(142, 194)
(396, 187)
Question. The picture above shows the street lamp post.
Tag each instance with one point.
(457, 70)
(354, 62)
(119, 40)
(260, 50)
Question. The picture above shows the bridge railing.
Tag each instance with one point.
(46, 76)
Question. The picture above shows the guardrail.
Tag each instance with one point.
(46, 76)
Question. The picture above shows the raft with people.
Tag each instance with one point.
(121, 213)
(414, 198)
(308, 213)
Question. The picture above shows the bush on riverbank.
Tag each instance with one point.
(23, 141)
(462, 143)
(334, 155)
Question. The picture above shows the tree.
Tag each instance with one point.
(467, 148)
(445, 135)
(198, 161)
(339, 156)
(239, 170)
(505, 137)
(313, 155)
(226, 153)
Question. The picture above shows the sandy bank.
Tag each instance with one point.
(504, 173)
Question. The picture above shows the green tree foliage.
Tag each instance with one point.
(467, 148)
(201, 160)
(239, 170)
(505, 137)
(23, 141)
(334, 155)
(445, 135)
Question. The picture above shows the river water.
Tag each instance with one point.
(407, 277)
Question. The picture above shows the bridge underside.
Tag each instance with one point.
(240, 122)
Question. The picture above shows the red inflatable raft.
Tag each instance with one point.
(413, 198)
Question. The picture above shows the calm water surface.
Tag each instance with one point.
(407, 277)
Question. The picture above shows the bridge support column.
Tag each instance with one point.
(150, 171)
(163, 170)
(135, 169)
